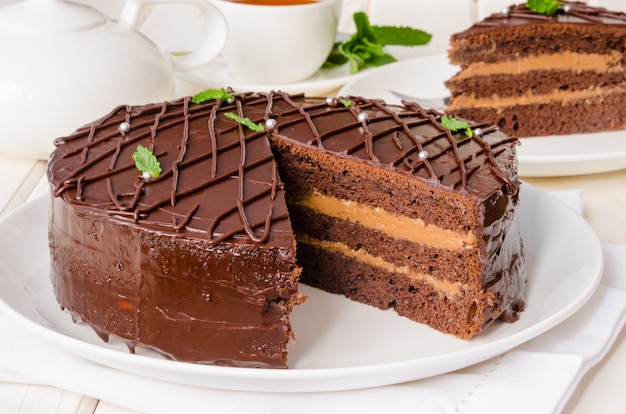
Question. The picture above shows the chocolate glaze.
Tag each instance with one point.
(578, 13)
(157, 261)
(93, 169)
(391, 137)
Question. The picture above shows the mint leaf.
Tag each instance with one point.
(363, 26)
(245, 121)
(146, 162)
(549, 7)
(456, 125)
(346, 102)
(211, 94)
(365, 48)
(336, 57)
(401, 36)
(362, 49)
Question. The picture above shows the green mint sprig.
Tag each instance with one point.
(245, 121)
(549, 7)
(146, 162)
(211, 94)
(456, 125)
(365, 48)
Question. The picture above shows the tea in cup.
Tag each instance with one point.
(278, 41)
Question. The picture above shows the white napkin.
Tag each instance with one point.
(536, 377)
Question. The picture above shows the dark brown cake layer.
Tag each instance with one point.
(538, 82)
(463, 316)
(444, 265)
(604, 113)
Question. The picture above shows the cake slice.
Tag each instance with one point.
(534, 74)
(392, 209)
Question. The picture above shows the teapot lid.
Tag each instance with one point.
(48, 16)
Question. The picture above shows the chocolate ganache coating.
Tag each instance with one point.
(574, 27)
(155, 259)
(93, 169)
(569, 13)
(407, 139)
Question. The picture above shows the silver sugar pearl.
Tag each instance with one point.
(478, 132)
(422, 155)
(505, 11)
(362, 117)
(567, 8)
(124, 127)
(230, 100)
(146, 175)
(270, 123)
(330, 101)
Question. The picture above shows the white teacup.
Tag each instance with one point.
(272, 44)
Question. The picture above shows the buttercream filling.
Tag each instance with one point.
(445, 287)
(400, 227)
(556, 61)
(529, 98)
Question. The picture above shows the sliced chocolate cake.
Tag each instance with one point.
(195, 257)
(535, 74)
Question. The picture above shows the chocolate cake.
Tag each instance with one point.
(198, 261)
(535, 74)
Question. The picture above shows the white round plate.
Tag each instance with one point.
(216, 75)
(341, 344)
(552, 156)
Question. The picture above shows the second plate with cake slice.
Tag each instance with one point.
(553, 156)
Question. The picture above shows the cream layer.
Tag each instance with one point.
(557, 61)
(450, 289)
(529, 98)
(400, 227)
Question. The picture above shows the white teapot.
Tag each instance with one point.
(63, 65)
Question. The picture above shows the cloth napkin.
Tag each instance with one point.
(536, 377)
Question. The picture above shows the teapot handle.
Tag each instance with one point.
(135, 12)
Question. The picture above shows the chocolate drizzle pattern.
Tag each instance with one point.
(218, 175)
(570, 12)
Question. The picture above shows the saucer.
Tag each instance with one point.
(325, 81)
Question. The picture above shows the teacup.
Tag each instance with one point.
(278, 41)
